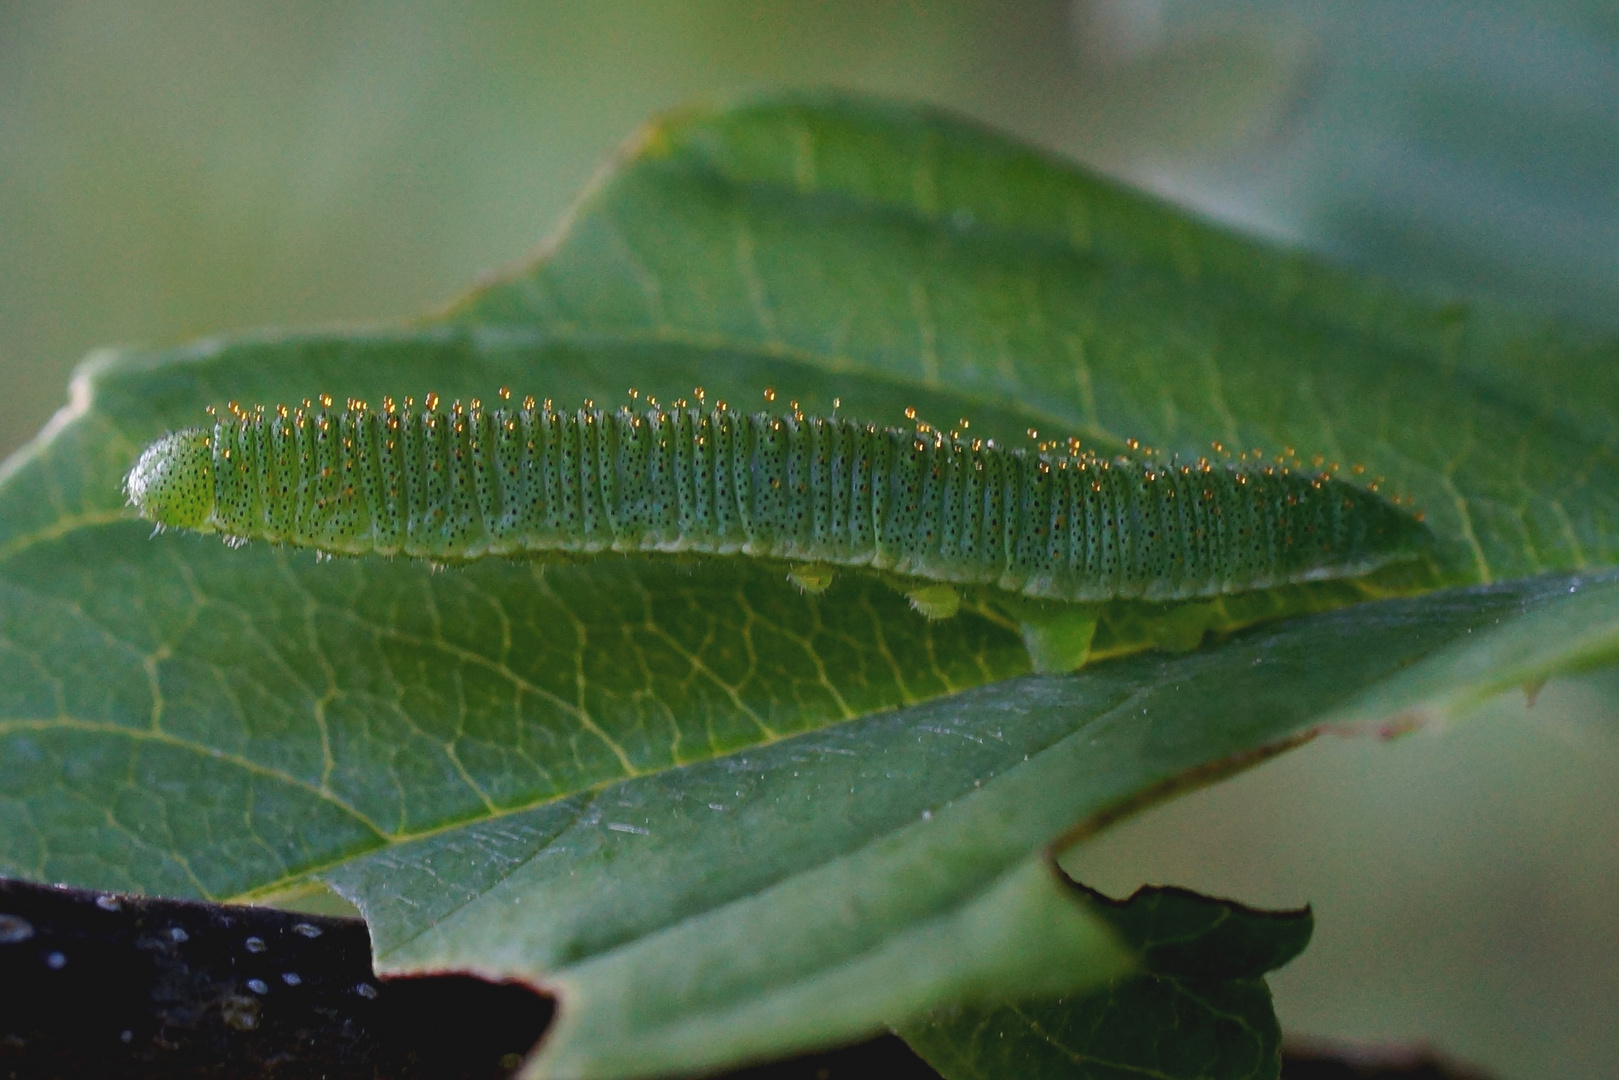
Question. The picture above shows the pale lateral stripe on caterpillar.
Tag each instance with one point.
(933, 510)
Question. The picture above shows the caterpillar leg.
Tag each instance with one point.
(1058, 636)
(935, 601)
(1182, 629)
(811, 578)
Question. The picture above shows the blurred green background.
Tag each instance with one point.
(172, 169)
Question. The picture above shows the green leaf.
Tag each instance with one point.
(748, 906)
(897, 257)
(1181, 935)
(1196, 1007)
(456, 748)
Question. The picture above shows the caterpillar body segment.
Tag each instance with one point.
(1041, 531)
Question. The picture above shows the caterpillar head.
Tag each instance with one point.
(173, 482)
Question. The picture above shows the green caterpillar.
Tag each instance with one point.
(1046, 536)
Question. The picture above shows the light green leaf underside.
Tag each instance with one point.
(183, 719)
(753, 885)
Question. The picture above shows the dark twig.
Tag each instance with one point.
(95, 984)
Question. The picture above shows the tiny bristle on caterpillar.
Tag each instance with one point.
(523, 482)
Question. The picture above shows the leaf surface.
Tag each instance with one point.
(455, 749)
(737, 908)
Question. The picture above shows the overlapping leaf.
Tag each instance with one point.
(1195, 1006)
(780, 898)
(180, 718)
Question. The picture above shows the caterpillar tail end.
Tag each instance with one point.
(1058, 637)
(811, 578)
